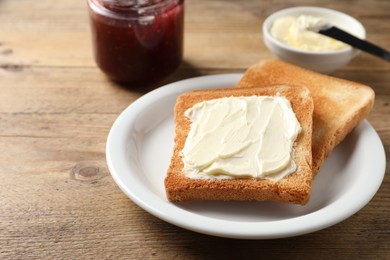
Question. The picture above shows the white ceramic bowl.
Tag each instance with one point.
(324, 61)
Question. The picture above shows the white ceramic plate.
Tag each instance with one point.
(139, 148)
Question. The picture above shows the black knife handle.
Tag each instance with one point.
(363, 45)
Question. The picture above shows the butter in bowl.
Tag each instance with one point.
(286, 35)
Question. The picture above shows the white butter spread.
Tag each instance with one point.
(293, 32)
(241, 137)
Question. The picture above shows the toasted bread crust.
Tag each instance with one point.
(339, 105)
(295, 188)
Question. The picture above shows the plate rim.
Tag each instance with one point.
(287, 227)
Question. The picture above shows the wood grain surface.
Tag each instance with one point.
(57, 198)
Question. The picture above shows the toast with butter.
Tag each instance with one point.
(294, 188)
(339, 105)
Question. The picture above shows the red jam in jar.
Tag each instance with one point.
(138, 42)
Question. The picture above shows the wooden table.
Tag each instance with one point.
(57, 198)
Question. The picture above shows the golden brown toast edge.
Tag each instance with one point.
(339, 105)
(294, 188)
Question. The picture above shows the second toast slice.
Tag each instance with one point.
(339, 105)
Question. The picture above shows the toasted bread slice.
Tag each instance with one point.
(339, 105)
(294, 188)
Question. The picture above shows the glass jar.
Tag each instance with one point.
(138, 42)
